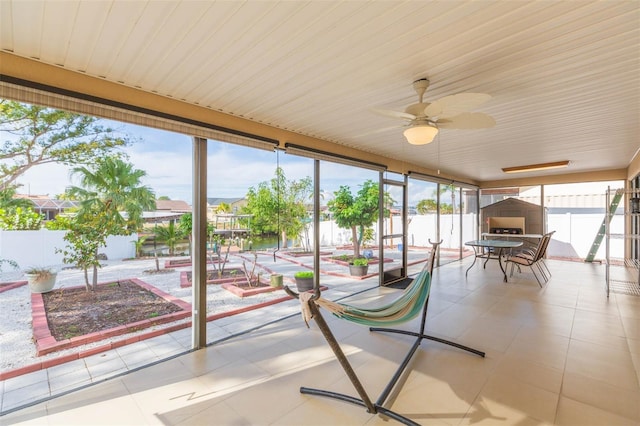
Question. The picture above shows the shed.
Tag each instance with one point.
(533, 214)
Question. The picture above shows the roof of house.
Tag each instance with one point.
(46, 202)
(509, 201)
(173, 205)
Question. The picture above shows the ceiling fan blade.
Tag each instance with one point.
(467, 121)
(435, 109)
(454, 105)
(393, 114)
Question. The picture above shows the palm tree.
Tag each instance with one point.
(114, 186)
(112, 200)
(170, 235)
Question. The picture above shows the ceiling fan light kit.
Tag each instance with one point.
(536, 167)
(450, 112)
(421, 134)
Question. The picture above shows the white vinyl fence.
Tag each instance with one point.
(573, 238)
(38, 248)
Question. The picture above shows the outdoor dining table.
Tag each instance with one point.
(491, 249)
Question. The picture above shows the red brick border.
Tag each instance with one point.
(133, 339)
(11, 285)
(46, 343)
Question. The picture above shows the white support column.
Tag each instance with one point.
(199, 251)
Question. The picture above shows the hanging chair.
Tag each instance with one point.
(413, 300)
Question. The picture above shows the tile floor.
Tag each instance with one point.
(565, 355)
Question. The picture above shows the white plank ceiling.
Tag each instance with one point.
(564, 76)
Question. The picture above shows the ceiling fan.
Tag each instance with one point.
(424, 119)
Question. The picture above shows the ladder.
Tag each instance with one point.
(601, 232)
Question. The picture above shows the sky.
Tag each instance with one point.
(166, 158)
(232, 169)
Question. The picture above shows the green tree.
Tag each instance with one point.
(223, 208)
(19, 219)
(170, 235)
(84, 238)
(357, 212)
(139, 244)
(279, 205)
(112, 200)
(8, 200)
(41, 135)
(185, 225)
(427, 206)
(113, 186)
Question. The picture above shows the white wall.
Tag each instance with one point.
(575, 234)
(420, 230)
(573, 237)
(38, 248)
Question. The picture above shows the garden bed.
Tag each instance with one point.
(244, 290)
(177, 263)
(230, 275)
(305, 253)
(70, 317)
(345, 259)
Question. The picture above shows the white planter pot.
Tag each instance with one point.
(39, 284)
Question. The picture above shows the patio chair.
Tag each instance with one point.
(534, 259)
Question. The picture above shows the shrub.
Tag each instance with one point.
(20, 219)
(360, 261)
(304, 274)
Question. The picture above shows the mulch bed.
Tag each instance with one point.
(76, 312)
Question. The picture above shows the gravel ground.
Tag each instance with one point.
(17, 348)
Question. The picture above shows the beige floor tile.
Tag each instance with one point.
(319, 411)
(603, 363)
(631, 327)
(536, 345)
(528, 371)
(574, 413)
(429, 400)
(602, 395)
(513, 400)
(490, 333)
(219, 414)
(598, 323)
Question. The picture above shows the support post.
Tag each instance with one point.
(199, 251)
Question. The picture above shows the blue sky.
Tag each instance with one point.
(166, 158)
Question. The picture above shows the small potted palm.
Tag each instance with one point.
(40, 279)
(304, 280)
(359, 267)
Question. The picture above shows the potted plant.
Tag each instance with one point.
(304, 280)
(359, 267)
(40, 279)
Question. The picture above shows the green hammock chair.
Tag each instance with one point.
(413, 301)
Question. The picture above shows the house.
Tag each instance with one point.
(235, 205)
(47, 206)
(167, 210)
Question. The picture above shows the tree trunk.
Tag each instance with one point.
(95, 277)
(86, 279)
(356, 243)
(284, 239)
